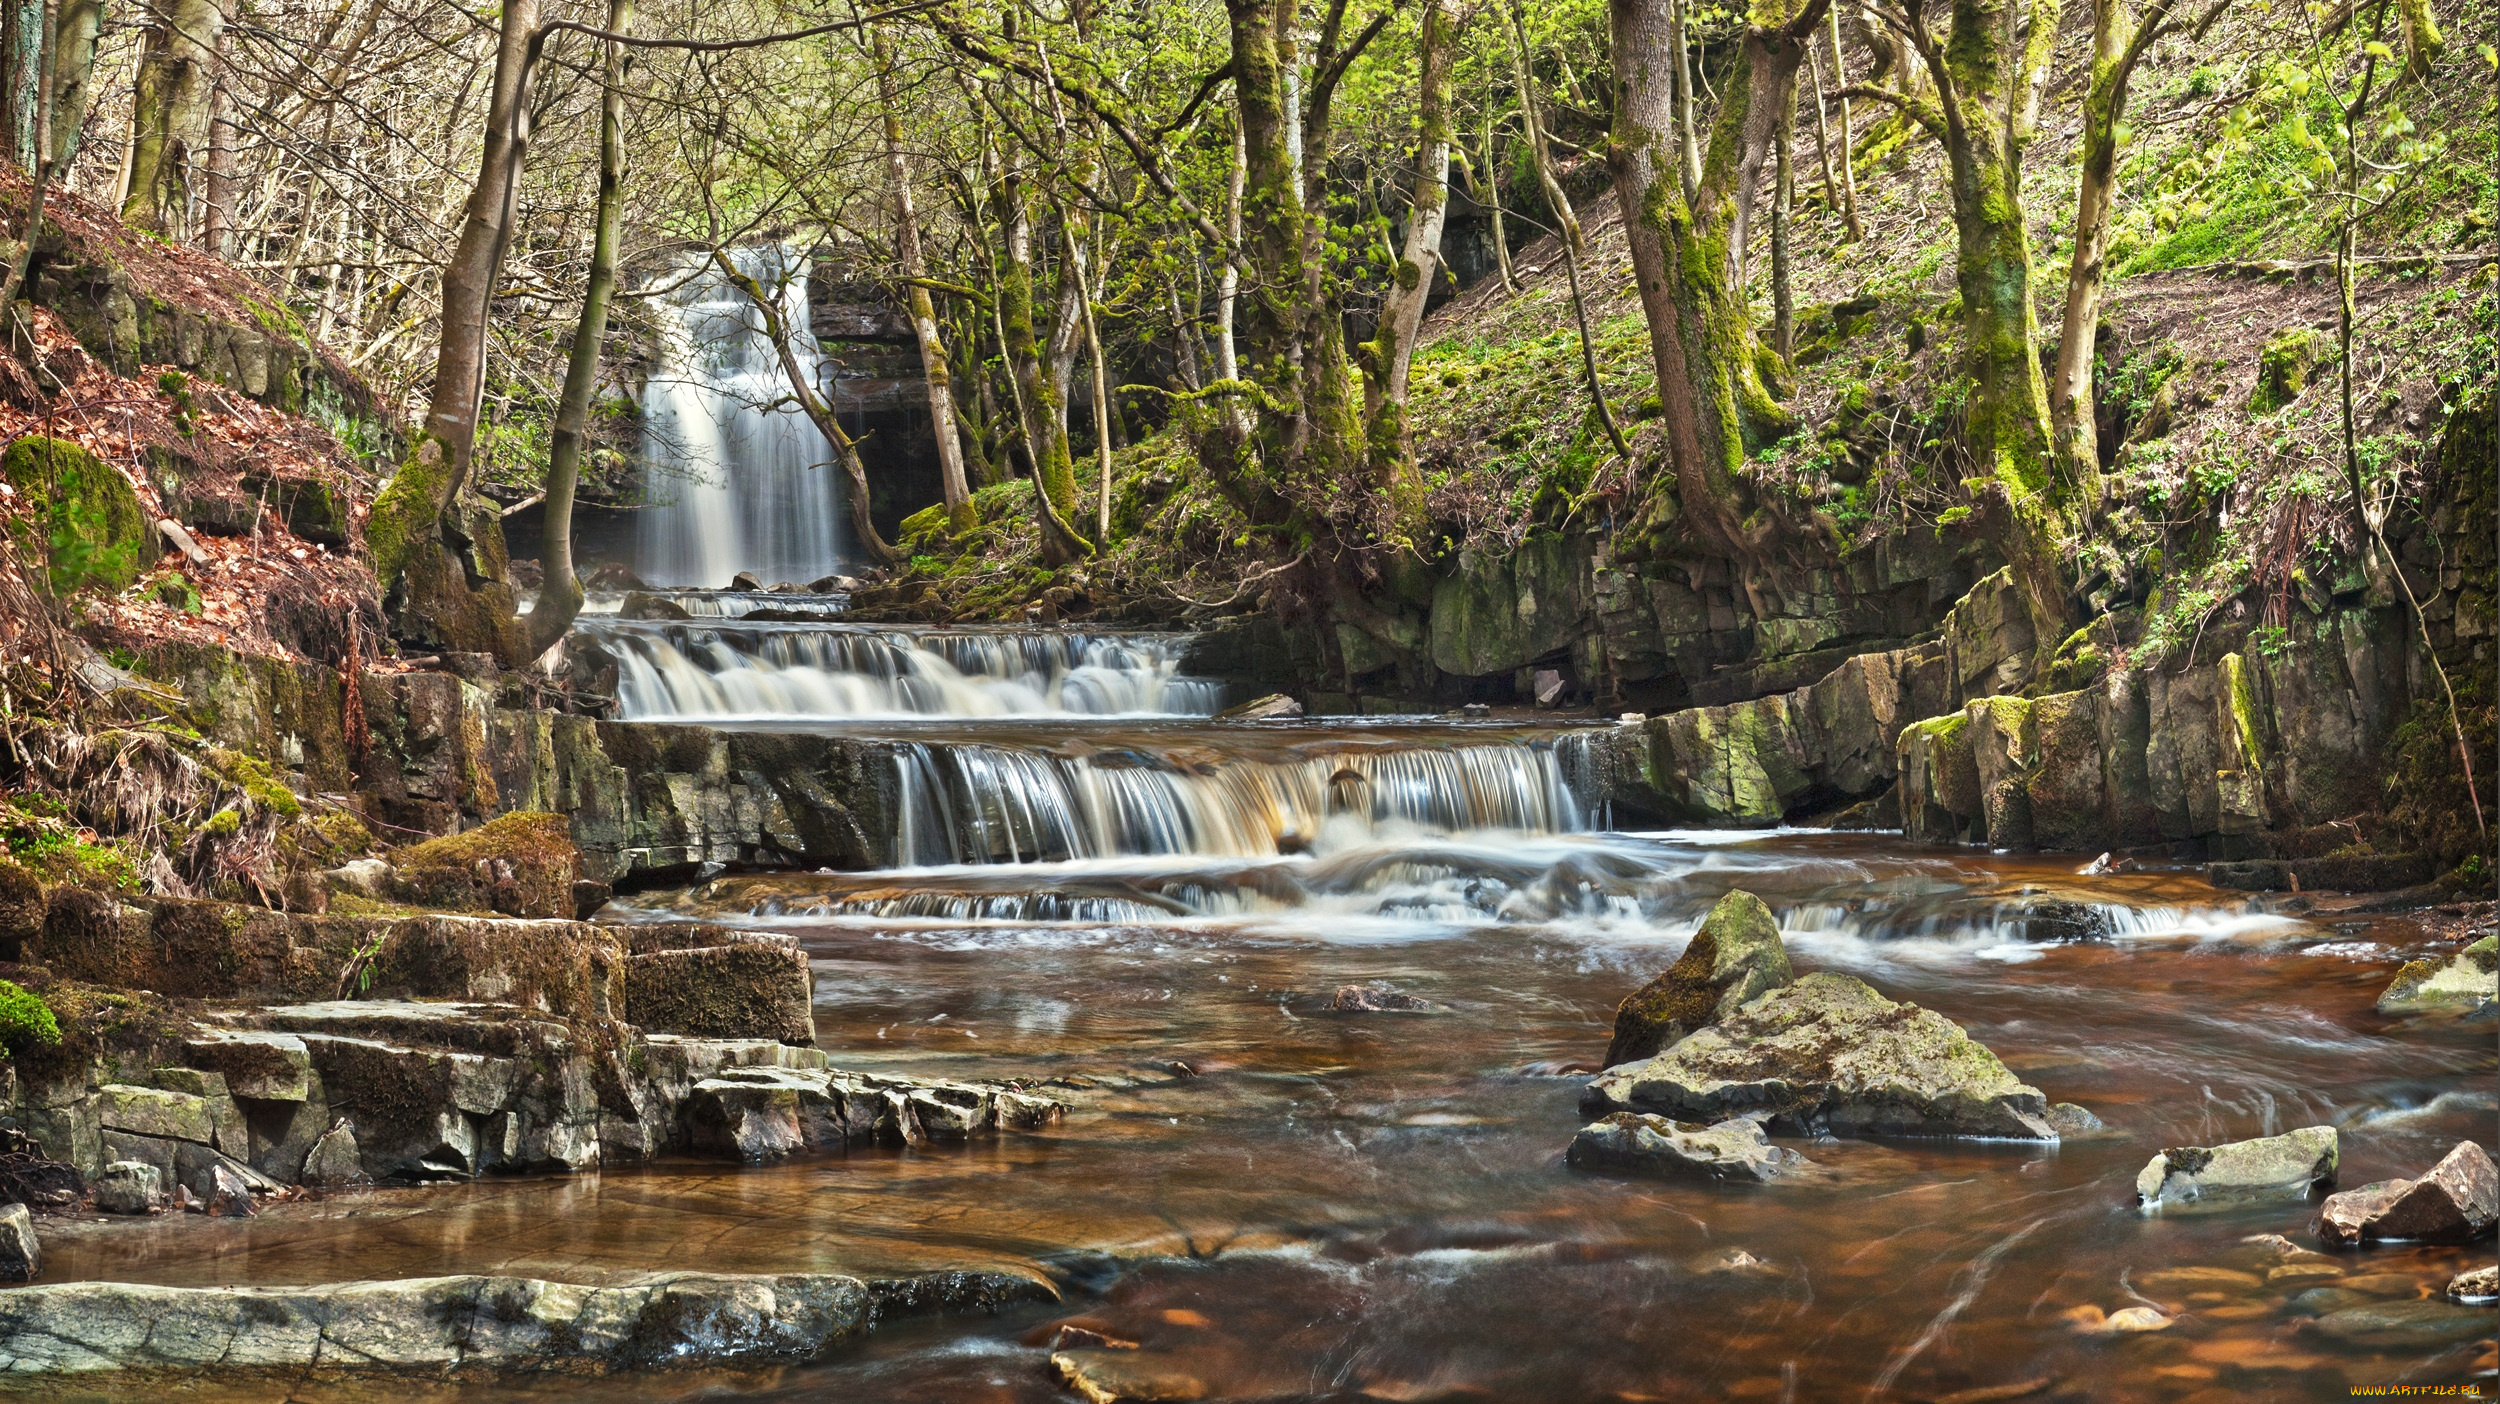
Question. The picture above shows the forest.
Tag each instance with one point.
(1366, 699)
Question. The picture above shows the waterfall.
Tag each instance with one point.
(781, 671)
(743, 487)
(998, 804)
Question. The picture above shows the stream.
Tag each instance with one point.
(1111, 890)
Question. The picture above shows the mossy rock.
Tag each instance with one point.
(2283, 369)
(87, 521)
(1734, 958)
(312, 509)
(21, 909)
(520, 865)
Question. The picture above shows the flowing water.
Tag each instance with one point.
(1276, 1200)
(747, 486)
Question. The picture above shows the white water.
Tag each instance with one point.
(996, 804)
(731, 672)
(738, 486)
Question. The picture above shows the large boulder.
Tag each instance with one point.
(519, 865)
(2458, 1201)
(1827, 1053)
(1734, 958)
(2464, 983)
(1735, 1149)
(21, 1255)
(86, 527)
(2290, 1164)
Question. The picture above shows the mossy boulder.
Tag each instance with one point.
(1829, 1054)
(2284, 368)
(1734, 958)
(85, 521)
(519, 865)
(2463, 983)
(21, 909)
(711, 982)
(312, 509)
(2287, 1165)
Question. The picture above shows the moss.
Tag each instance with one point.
(519, 864)
(2283, 369)
(225, 823)
(85, 519)
(405, 511)
(25, 1020)
(256, 780)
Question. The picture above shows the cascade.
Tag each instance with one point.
(706, 671)
(746, 486)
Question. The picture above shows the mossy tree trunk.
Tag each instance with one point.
(1567, 220)
(933, 368)
(169, 113)
(1988, 74)
(1388, 356)
(1038, 403)
(1717, 405)
(560, 589)
(2118, 43)
(72, 75)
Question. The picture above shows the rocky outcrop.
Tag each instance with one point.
(2456, 1201)
(436, 1326)
(1639, 1143)
(2292, 1165)
(1828, 1053)
(2463, 983)
(716, 982)
(1735, 957)
(521, 864)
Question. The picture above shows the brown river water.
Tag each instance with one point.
(1278, 1201)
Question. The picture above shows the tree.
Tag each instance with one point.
(1716, 400)
(1386, 358)
(2119, 42)
(1989, 68)
(924, 323)
(1574, 242)
(560, 590)
(170, 111)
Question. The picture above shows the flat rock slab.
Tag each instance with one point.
(2279, 1166)
(1643, 1143)
(440, 1325)
(1828, 1053)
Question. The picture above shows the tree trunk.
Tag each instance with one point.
(409, 511)
(81, 22)
(1228, 285)
(1848, 139)
(1102, 390)
(1568, 221)
(560, 590)
(1388, 356)
(1680, 93)
(812, 404)
(1717, 406)
(1783, 198)
(933, 367)
(169, 114)
(1486, 190)
(1037, 393)
(2104, 105)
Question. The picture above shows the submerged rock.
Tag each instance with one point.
(2457, 1201)
(1735, 957)
(1828, 1053)
(1735, 1149)
(499, 1323)
(2290, 1164)
(2403, 1325)
(1117, 1376)
(1377, 997)
(2465, 982)
(1275, 706)
(2480, 1287)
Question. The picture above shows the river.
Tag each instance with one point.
(1107, 890)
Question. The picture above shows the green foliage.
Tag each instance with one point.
(86, 523)
(25, 1020)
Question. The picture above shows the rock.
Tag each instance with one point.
(21, 1256)
(1275, 706)
(2271, 1166)
(2070, 1121)
(129, 1187)
(521, 865)
(2458, 1201)
(2464, 983)
(229, 1196)
(85, 519)
(641, 604)
(1123, 1377)
(311, 508)
(369, 878)
(1735, 1149)
(2136, 1319)
(832, 585)
(1548, 690)
(612, 575)
(1377, 997)
(2403, 1325)
(334, 1159)
(150, 1111)
(712, 982)
(432, 1324)
(745, 581)
(21, 909)
(2478, 1287)
(1734, 958)
(267, 1067)
(1827, 1053)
